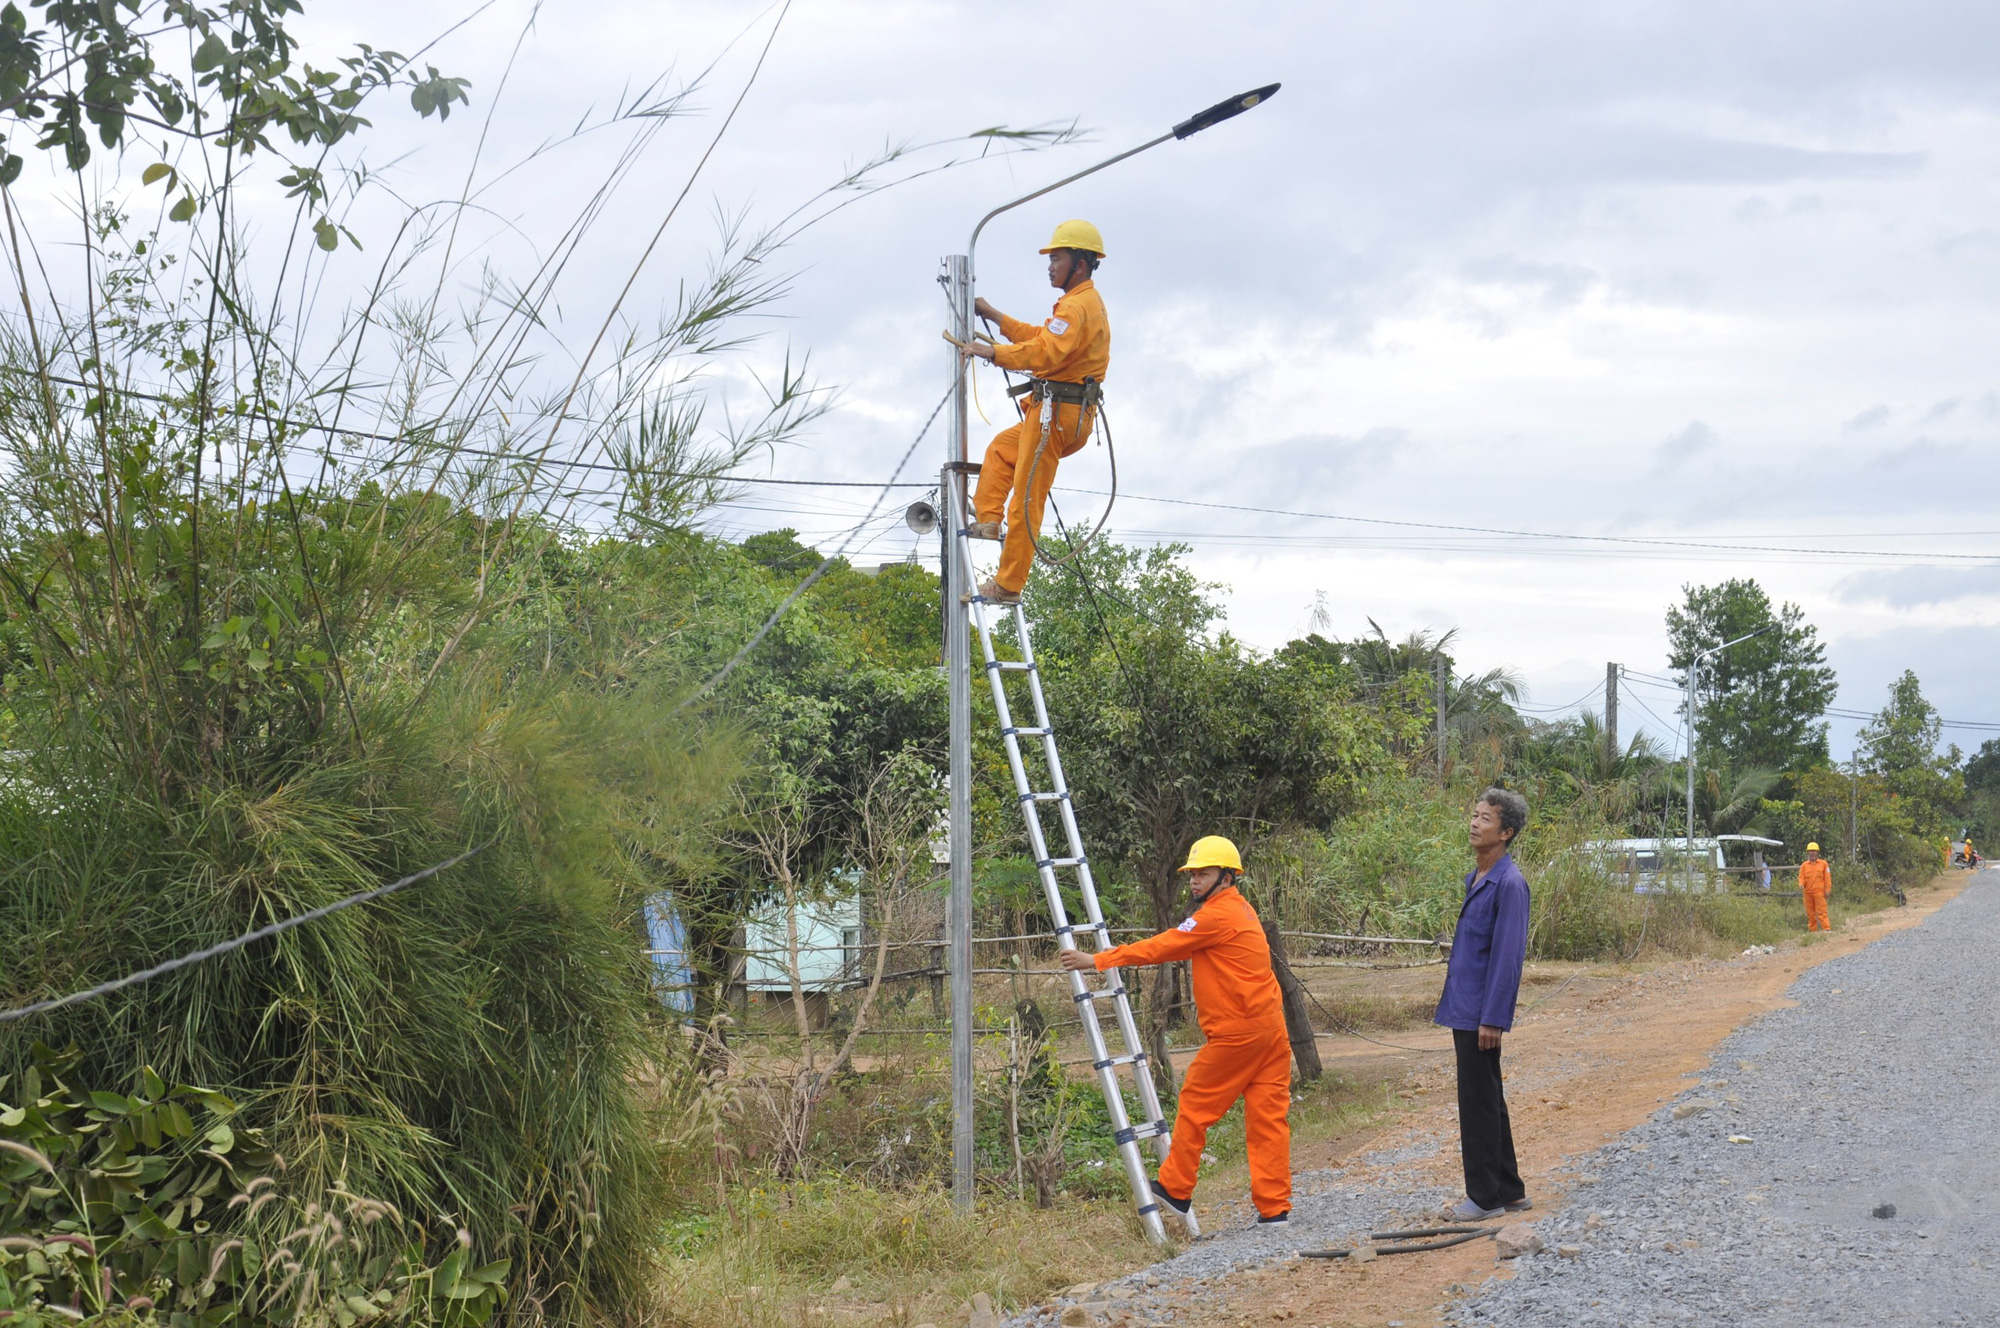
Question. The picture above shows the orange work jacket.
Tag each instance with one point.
(1074, 344)
(1815, 878)
(1235, 991)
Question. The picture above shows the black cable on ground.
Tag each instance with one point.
(1352, 1031)
(1414, 1241)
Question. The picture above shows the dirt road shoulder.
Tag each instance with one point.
(1583, 1068)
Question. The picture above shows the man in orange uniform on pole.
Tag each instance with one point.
(1065, 359)
(1815, 882)
(1247, 1054)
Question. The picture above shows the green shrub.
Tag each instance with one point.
(163, 1204)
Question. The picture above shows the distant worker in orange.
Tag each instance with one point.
(1065, 359)
(1242, 1015)
(1815, 882)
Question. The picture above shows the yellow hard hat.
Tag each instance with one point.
(1076, 235)
(1812, 848)
(1212, 851)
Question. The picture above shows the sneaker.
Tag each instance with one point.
(1520, 1205)
(1181, 1206)
(983, 530)
(990, 591)
(1467, 1211)
(1281, 1220)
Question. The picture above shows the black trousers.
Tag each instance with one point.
(1485, 1135)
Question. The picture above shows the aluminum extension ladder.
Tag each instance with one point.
(1031, 800)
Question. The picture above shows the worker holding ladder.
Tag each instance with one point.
(1065, 359)
(1247, 1055)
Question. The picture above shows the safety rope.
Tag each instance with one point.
(1049, 409)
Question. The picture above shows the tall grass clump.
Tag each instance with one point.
(230, 699)
(318, 568)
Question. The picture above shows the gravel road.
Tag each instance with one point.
(1882, 1086)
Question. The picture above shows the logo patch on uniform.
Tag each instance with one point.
(1186, 926)
(1059, 325)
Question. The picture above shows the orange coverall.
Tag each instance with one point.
(1247, 1054)
(1815, 880)
(1073, 345)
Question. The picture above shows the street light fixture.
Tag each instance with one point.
(957, 281)
(1694, 669)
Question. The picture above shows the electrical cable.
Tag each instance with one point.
(1416, 1240)
(717, 678)
(1641, 540)
(213, 951)
(1349, 1029)
(1519, 705)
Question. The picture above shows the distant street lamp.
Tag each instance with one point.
(1694, 669)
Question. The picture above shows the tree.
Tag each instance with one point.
(1981, 809)
(1479, 713)
(1982, 771)
(1901, 745)
(1759, 704)
(226, 76)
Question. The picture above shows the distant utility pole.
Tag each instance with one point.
(1611, 714)
(1443, 680)
(1694, 675)
(1853, 771)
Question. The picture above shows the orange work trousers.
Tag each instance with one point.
(1003, 485)
(1256, 1067)
(1816, 915)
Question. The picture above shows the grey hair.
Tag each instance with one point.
(1513, 809)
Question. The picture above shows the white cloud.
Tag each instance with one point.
(1470, 267)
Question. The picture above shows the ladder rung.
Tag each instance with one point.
(1010, 666)
(1062, 862)
(1083, 926)
(1157, 1130)
(1025, 731)
(1043, 797)
(1135, 1058)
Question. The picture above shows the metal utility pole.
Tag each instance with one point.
(1443, 698)
(1694, 670)
(957, 279)
(1611, 716)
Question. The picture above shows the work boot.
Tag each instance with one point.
(983, 530)
(990, 591)
(1180, 1206)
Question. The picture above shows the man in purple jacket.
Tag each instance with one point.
(1480, 985)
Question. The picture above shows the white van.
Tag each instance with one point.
(1659, 864)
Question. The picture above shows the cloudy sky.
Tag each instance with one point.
(1721, 277)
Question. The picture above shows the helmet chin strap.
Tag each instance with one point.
(1223, 879)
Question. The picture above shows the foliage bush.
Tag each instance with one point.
(163, 1205)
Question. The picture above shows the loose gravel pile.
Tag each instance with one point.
(1327, 1209)
(1752, 1198)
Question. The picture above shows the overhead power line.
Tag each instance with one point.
(237, 943)
(1636, 540)
(1669, 685)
